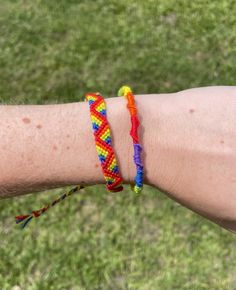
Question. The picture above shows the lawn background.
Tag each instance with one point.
(55, 51)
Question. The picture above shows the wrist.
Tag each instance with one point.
(120, 125)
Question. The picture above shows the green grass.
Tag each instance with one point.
(55, 51)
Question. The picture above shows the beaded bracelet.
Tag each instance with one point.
(127, 93)
(102, 137)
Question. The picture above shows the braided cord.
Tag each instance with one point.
(102, 135)
(25, 219)
(127, 93)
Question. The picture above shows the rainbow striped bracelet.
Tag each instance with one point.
(127, 93)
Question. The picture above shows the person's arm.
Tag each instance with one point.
(188, 139)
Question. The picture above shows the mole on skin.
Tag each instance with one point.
(54, 147)
(96, 165)
(191, 111)
(39, 126)
(26, 120)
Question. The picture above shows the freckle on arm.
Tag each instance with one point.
(39, 126)
(26, 120)
(54, 147)
(191, 111)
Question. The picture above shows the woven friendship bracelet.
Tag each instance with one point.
(105, 152)
(102, 137)
(127, 93)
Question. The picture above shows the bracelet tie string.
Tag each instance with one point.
(25, 219)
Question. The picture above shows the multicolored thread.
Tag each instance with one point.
(104, 149)
(25, 219)
(127, 93)
(102, 136)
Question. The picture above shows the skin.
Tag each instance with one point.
(188, 139)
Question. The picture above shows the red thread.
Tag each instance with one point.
(134, 128)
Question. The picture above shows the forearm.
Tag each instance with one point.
(52, 145)
(188, 139)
